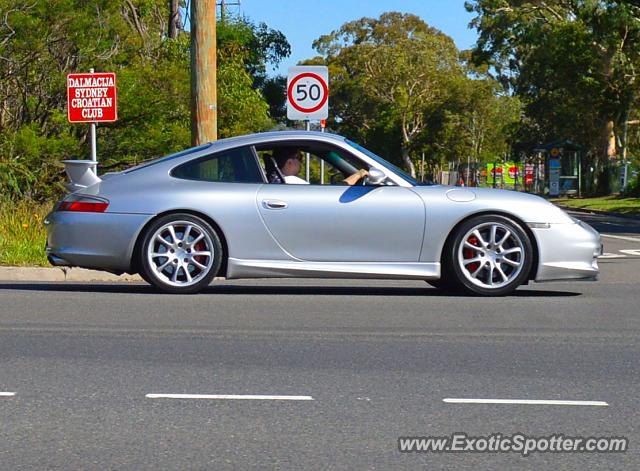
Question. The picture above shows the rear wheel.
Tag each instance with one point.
(489, 255)
(180, 254)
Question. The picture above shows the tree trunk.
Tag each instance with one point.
(406, 158)
(174, 18)
(602, 156)
(612, 151)
(406, 139)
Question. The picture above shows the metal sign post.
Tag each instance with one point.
(323, 124)
(94, 141)
(94, 148)
(307, 156)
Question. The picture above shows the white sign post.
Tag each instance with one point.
(308, 95)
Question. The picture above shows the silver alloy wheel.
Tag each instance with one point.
(180, 253)
(491, 255)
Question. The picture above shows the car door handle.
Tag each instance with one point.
(274, 204)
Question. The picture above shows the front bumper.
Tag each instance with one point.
(102, 241)
(568, 252)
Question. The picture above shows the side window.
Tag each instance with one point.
(328, 165)
(232, 166)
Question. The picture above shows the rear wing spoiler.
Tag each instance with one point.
(81, 173)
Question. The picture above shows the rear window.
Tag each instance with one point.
(231, 166)
(148, 163)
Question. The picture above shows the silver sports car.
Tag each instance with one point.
(226, 209)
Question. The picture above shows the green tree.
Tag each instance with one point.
(388, 74)
(42, 41)
(257, 47)
(573, 63)
(480, 119)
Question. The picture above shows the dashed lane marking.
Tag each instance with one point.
(230, 397)
(542, 402)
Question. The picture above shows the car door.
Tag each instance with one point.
(344, 223)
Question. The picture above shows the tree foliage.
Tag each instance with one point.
(481, 120)
(253, 48)
(397, 83)
(574, 64)
(42, 41)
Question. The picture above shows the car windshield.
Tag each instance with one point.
(384, 163)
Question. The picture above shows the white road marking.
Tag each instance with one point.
(229, 396)
(526, 401)
(611, 255)
(7, 394)
(632, 239)
(634, 252)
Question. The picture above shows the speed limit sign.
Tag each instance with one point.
(308, 93)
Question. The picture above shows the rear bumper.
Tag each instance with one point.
(102, 241)
(568, 252)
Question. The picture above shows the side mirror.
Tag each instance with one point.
(376, 177)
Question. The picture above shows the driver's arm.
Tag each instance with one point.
(353, 179)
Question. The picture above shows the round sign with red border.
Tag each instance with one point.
(307, 93)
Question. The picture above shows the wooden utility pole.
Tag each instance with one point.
(174, 18)
(204, 109)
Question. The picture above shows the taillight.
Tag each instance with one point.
(84, 204)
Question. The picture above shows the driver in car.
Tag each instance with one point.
(289, 162)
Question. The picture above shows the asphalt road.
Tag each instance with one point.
(375, 359)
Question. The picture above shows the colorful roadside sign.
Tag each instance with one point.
(506, 173)
(308, 92)
(528, 174)
(91, 97)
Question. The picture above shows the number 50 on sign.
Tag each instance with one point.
(308, 93)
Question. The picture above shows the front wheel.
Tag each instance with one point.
(490, 255)
(181, 254)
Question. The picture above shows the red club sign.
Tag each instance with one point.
(91, 98)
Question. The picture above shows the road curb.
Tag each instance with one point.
(61, 274)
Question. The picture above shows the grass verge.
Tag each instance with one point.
(22, 233)
(614, 204)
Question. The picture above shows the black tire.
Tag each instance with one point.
(492, 268)
(179, 271)
(144, 276)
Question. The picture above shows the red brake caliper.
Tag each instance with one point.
(199, 247)
(470, 253)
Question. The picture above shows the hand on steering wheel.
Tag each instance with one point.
(354, 178)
